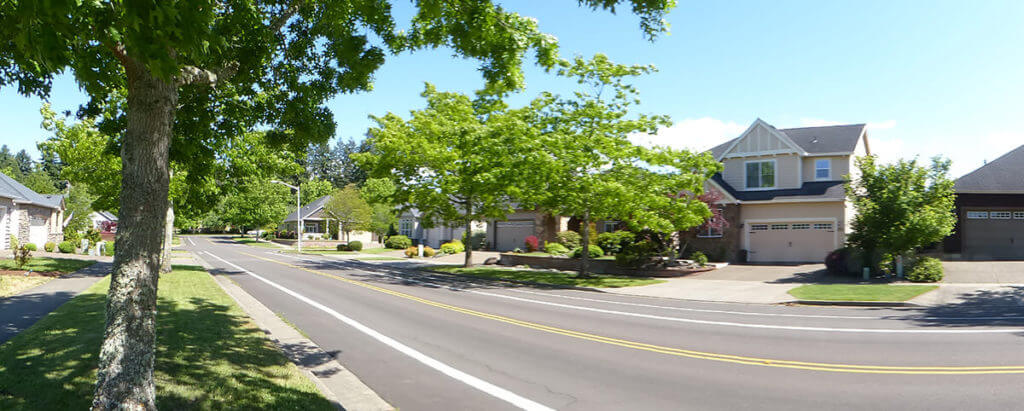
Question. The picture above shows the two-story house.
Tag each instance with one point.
(782, 193)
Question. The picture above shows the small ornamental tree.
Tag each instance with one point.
(348, 207)
(901, 207)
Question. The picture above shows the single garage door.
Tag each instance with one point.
(512, 234)
(994, 234)
(794, 242)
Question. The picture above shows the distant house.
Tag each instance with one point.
(990, 211)
(29, 216)
(104, 221)
(316, 224)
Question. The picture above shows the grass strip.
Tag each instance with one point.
(47, 264)
(209, 354)
(859, 292)
(549, 277)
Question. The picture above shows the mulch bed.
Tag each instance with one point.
(31, 274)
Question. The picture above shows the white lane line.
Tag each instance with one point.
(486, 387)
(717, 323)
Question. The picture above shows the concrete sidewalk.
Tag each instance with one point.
(733, 291)
(21, 311)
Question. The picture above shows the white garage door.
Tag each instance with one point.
(37, 231)
(790, 242)
(512, 234)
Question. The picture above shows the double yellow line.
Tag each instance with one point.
(764, 362)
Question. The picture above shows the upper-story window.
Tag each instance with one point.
(761, 174)
(822, 169)
(405, 228)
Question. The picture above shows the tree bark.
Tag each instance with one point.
(469, 244)
(585, 254)
(125, 375)
(165, 257)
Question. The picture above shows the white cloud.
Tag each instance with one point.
(967, 152)
(693, 134)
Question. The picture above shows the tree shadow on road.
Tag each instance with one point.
(998, 308)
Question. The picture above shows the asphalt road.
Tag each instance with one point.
(434, 342)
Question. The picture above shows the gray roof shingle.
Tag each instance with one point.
(12, 189)
(308, 209)
(1004, 174)
(815, 140)
(824, 190)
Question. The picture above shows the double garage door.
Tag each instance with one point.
(510, 235)
(994, 234)
(790, 242)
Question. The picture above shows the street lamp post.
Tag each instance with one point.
(298, 210)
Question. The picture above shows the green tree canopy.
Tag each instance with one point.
(314, 189)
(348, 207)
(901, 207)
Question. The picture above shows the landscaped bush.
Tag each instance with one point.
(925, 270)
(613, 242)
(699, 258)
(414, 251)
(22, 255)
(477, 240)
(556, 249)
(846, 260)
(355, 245)
(398, 242)
(31, 246)
(594, 251)
(532, 243)
(108, 248)
(66, 247)
(342, 247)
(93, 235)
(74, 237)
(639, 254)
(453, 247)
(570, 239)
(49, 246)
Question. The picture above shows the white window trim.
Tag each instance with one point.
(977, 215)
(1018, 215)
(1003, 215)
(775, 177)
(614, 224)
(828, 161)
(401, 229)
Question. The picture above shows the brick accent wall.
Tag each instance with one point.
(723, 249)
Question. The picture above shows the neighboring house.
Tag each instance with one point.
(104, 221)
(29, 216)
(783, 194)
(990, 211)
(511, 233)
(315, 223)
(411, 225)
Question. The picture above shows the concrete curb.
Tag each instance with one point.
(855, 303)
(338, 384)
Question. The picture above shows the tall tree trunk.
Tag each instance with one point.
(165, 257)
(469, 244)
(585, 255)
(125, 375)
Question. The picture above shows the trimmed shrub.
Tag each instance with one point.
(31, 246)
(414, 251)
(532, 243)
(595, 251)
(926, 270)
(453, 247)
(22, 255)
(49, 246)
(108, 249)
(556, 249)
(66, 247)
(429, 252)
(74, 237)
(477, 240)
(398, 242)
(699, 258)
(639, 254)
(570, 239)
(342, 247)
(355, 245)
(613, 242)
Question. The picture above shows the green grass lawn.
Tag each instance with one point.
(209, 354)
(46, 264)
(254, 242)
(13, 284)
(859, 292)
(549, 277)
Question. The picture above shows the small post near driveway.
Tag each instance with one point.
(298, 211)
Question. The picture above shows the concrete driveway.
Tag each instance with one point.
(986, 272)
(772, 274)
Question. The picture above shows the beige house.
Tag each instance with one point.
(316, 224)
(782, 193)
(29, 216)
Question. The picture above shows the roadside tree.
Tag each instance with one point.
(349, 209)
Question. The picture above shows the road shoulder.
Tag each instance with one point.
(337, 383)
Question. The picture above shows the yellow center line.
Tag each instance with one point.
(764, 362)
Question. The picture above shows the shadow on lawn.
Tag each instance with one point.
(207, 358)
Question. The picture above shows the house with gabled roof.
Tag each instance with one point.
(29, 216)
(782, 193)
(990, 211)
(316, 224)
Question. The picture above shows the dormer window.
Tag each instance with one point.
(823, 169)
(761, 174)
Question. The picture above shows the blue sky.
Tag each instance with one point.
(942, 79)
